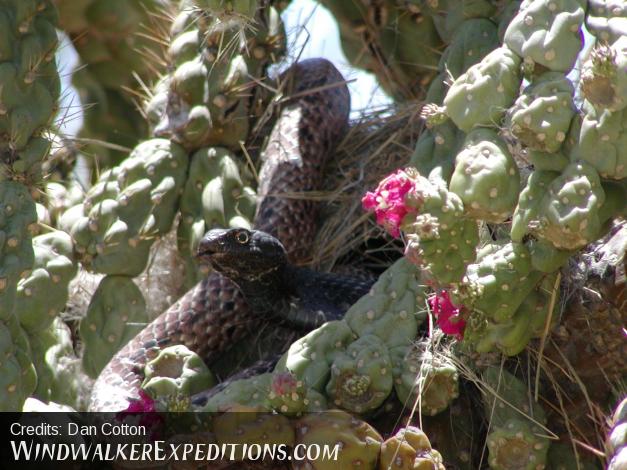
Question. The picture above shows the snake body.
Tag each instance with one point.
(214, 315)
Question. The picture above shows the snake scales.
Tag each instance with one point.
(214, 315)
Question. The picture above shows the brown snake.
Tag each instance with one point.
(213, 316)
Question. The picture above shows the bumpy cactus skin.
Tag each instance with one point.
(430, 378)
(569, 212)
(486, 177)
(515, 437)
(435, 151)
(409, 449)
(17, 223)
(607, 19)
(206, 101)
(602, 142)
(483, 93)
(176, 371)
(43, 294)
(359, 442)
(551, 94)
(440, 239)
(58, 368)
(548, 33)
(129, 207)
(116, 313)
(361, 377)
(30, 86)
(310, 358)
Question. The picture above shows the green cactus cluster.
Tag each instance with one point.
(211, 96)
(119, 47)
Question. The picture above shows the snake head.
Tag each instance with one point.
(241, 254)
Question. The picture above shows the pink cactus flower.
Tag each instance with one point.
(145, 408)
(388, 201)
(447, 314)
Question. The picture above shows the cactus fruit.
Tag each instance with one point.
(357, 443)
(361, 377)
(486, 177)
(44, 292)
(176, 371)
(515, 438)
(392, 310)
(482, 94)
(129, 207)
(310, 358)
(116, 313)
(603, 81)
(550, 94)
(17, 223)
(428, 377)
(616, 444)
(214, 196)
(607, 19)
(548, 33)
(601, 143)
(440, 239)
(409, 449)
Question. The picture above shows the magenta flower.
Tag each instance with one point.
(145, 410)
(447, 314)
(388, 201)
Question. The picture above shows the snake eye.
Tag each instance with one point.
(242, 237)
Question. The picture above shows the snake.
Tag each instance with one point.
(214, 315)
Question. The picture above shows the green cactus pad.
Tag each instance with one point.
(547, 32)
(602, 142)
(440, 239)
(392, 310)
(481, 95)
(252, 392)
(568, 213)
(17, 223)
(176, 371)
(252, 428)
(499, 281)
(359, 443)
(44, 292)
(361, 377)
(427, 377)
(116, 313)
(540, 117)
(525, 218)
(607, 19)
(474, 39)
(516, 436)
(310, 358)
(486, 177)
(434, 154)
